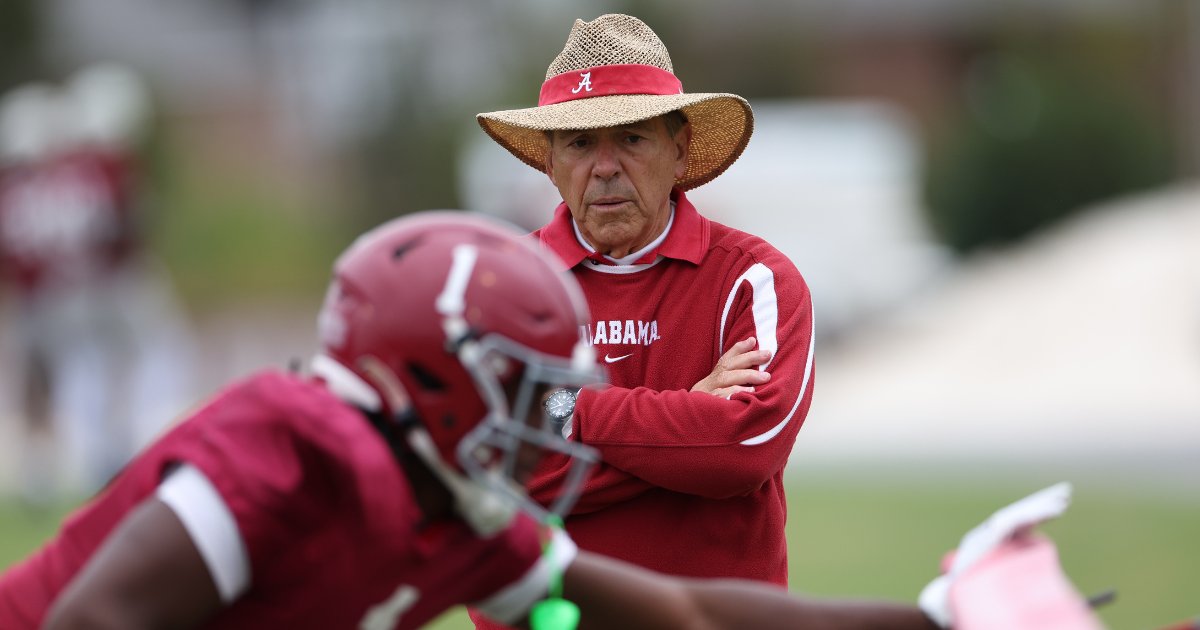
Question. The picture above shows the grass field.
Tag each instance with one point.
(859, 537)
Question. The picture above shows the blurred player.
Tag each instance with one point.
(27, 134)
(90, 308)
(386, 487)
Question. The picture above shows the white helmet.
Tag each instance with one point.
(112, 104)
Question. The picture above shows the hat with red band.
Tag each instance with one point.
(613, 71)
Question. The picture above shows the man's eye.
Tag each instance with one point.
(633, 139)
(578, 143)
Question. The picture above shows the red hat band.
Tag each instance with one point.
(607, 81)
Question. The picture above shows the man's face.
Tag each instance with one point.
(617, 180)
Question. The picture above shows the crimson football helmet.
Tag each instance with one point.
(458, 320)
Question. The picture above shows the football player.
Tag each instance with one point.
(385, 486)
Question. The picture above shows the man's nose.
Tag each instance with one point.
(607, 164)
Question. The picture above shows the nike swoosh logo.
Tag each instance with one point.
(608, 359)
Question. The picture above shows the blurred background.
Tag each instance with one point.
(997, 207)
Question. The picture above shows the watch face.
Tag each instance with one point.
(561, 404)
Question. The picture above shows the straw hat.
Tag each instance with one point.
(613, 71)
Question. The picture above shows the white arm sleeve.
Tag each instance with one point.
(212, 528)
(512, 602)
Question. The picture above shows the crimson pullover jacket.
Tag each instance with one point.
(690, 484)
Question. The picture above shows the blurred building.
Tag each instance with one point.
(1080, 347)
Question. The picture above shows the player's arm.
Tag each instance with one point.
(612, 594)
(147, 574)
(174, 561)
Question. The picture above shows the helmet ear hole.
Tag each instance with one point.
(426, 378)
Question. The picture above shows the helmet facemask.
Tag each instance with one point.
(513, 380)
(504, 446)
(496, 453)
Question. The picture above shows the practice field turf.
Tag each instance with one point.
(867, 537)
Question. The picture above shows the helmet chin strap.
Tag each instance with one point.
(485, 510)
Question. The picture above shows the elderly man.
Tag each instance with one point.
(706, 331)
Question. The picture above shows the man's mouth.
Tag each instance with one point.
(608, 203)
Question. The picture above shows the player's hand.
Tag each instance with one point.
(1011, 521)
(736, 371)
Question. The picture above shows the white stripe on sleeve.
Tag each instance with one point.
(773, 431)
(765, 309)
(211, 525)
(512, 602)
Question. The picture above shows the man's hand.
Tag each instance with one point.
(736, 371)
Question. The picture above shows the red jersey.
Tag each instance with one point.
(331, 529)
(691, 484)
(66, 219)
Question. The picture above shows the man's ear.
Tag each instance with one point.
(683, 144)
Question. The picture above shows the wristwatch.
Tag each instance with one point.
(560, 404)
